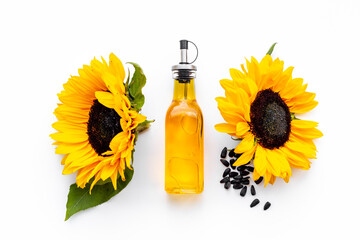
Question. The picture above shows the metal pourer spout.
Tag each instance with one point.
(185, 70)
(183, 49)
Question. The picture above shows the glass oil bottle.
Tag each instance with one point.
(184, 139)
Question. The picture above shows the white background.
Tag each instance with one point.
(43, 43)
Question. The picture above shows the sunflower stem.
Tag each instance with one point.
(271, 49)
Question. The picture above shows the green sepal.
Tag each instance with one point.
(80, 198)
(144, 125)
(293, 117)
(271, 49)
(135, 86)
(236, 139)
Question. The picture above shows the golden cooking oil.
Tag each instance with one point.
(184, 139)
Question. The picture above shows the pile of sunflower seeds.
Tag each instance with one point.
(239, 177)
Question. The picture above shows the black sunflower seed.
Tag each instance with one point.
(254, 203)
(266, 206)
(231, 153)
(259, 180)
(235, 181)
(245, 181)
(233, 174)
(226, 172)
(238, 177)
(237, 155)
(226, 163)
(237, 186)
(227, 185)
(223, 153)
(224, 180)
(241, 168)
(244, 173)
(231, 164)
(250, 169)
(252, 190)
(243, 191)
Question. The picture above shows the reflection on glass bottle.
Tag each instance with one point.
(184, 143)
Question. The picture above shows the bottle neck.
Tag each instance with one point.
(184, 91)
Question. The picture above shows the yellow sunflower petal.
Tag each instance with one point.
(303, 123)
(228, 106)
(119, 142)
(226, 83)
(307, 132)
(303, 108)
(272, 179)
(297, 146)
(139, 118)
(292, 88)
(260, 162)
(296, 159)
(233, 96)
(122, 175)
(302, 98)
(97, 178)
(245, 83)
(256, 175)
(107, 171)
(242, 128)
(236, 74)
(225, 128)
(277, 163)
(84, 174)
(78, 157)
(128, 160)
(69, 137)
(230, 117)
(106, 99)
(267, 177)
(114, 179)
(65, 148)
(246, 144)
(282, 79)
(64, 159)
(245, 157)
(116, 67)
(65, 126)
(113, 84)
(254, 72)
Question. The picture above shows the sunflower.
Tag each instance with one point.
(259, 108)
(96, 124)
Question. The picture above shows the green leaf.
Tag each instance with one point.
(127, 82)
(101, 182)
(144, 125)
(138, 102)
(271, 49)
(80, 198)
(136, 84)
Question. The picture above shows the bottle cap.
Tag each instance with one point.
(184, 64)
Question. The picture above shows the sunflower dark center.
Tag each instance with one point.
(270, 119)
(103, 125)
